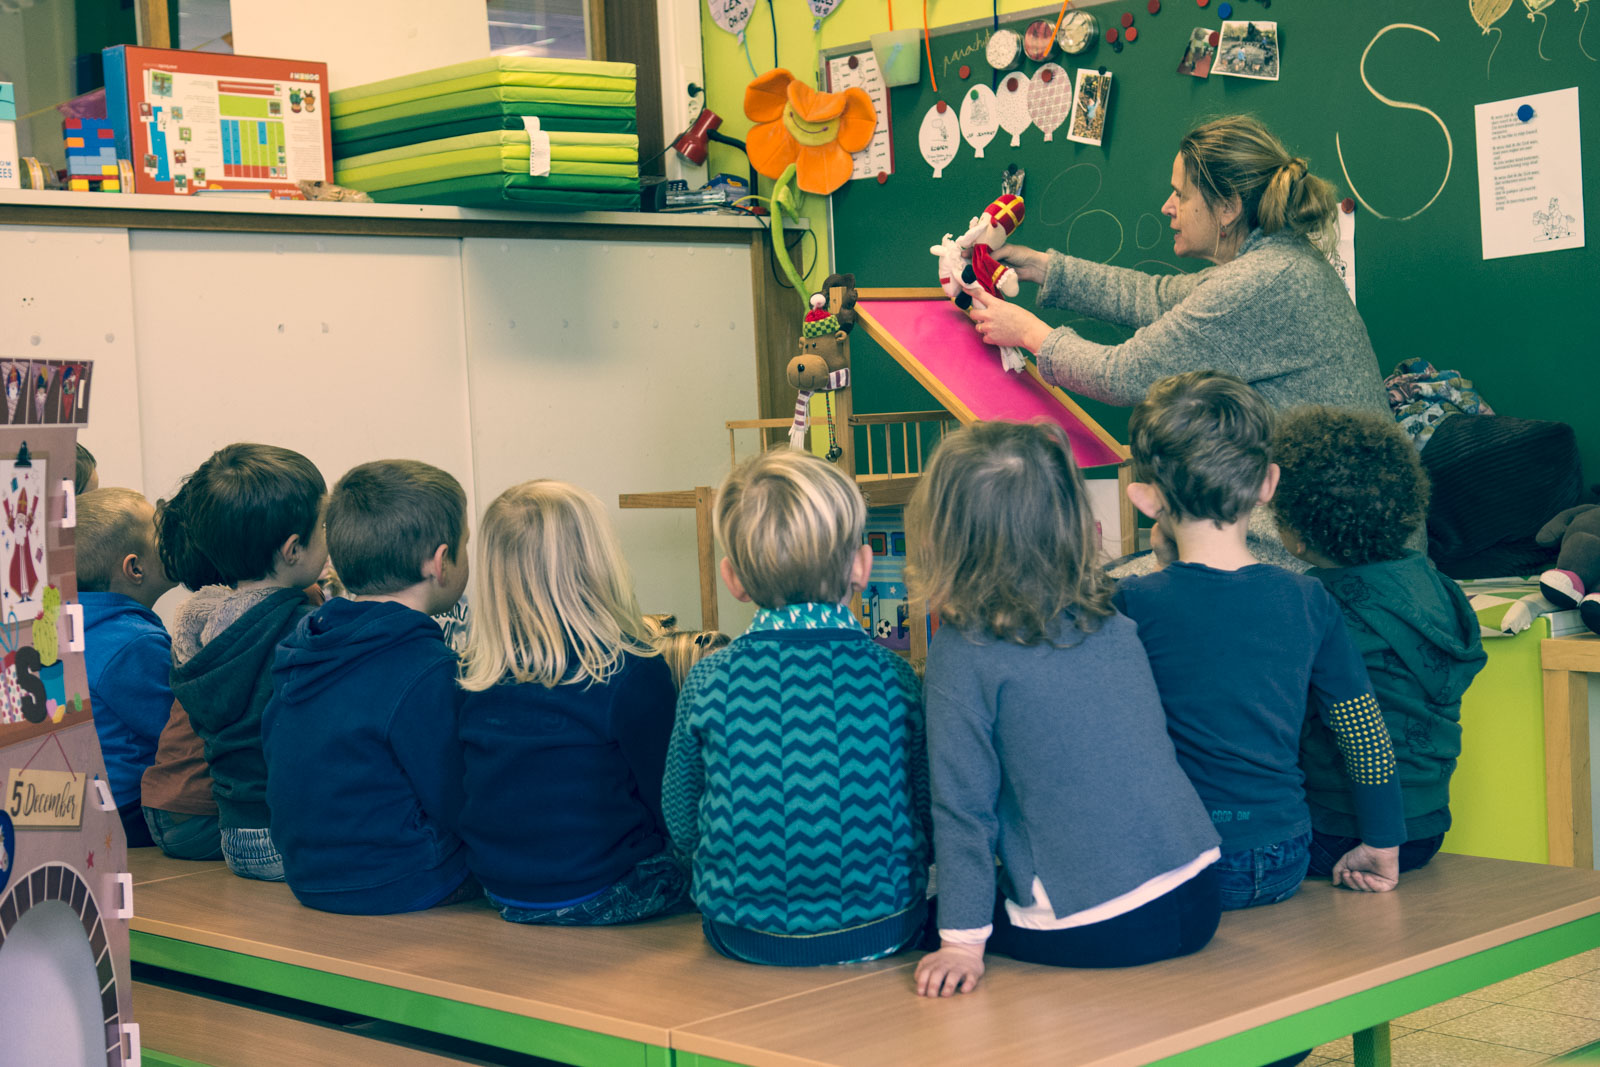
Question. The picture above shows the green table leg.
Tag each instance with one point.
(1372, 1046)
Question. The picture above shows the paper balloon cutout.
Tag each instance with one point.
(1011, 103)
(939, 138)
(732, 15)
(821, 9)
(979, 118)
(1487, 12)
(1050, 98)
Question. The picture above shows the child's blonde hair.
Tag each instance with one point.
(1001, 536)
(791, 524)
(682, 649)
(556, 602)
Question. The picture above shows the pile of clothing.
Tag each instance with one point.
(463, 135)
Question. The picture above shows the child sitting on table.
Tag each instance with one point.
(1238, 647)
(797, 777)
(565, 722)
(245, 532)
(363, 767)
(1352, 491)
(127, 652)
(1045, 732)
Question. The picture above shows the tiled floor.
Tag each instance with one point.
(1532, 1018)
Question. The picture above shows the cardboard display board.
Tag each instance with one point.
(62, 851)
(192, 122)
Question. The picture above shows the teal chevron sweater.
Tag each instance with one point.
(797, 777)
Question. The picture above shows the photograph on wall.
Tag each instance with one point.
(1198, 55)
(1248, 50)
(1090, 101)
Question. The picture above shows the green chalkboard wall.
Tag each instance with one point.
(1526, 329)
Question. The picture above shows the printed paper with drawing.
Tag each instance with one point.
(860, 71)
(1530, 175)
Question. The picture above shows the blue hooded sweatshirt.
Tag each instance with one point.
(364, 777)
(127, 655)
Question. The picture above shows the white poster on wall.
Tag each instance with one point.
(1530, 174)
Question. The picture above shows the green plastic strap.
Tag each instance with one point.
(564, 144)
(494, 66)
(471, 1022)
(503, 97)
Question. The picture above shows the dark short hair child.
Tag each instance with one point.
(1352, 488)
(1202, 438)
(112, 523)
(385, 518)
(83, 471)
(227, 522)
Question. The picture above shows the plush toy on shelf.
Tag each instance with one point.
(1574, 582)
(967, 265)
(823, 364)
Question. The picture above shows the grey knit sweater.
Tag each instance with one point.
(1276, 316)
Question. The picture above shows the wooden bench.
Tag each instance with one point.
(1275, 980)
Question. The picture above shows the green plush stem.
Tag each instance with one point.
(783, 200)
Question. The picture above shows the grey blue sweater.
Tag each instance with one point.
(1276, 316)
(1054, 757)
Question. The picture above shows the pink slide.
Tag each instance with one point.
(935, 341)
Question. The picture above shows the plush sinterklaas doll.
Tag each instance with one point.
(1574, 582)
(967, 265)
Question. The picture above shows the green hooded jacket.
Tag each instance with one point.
(1420, 641)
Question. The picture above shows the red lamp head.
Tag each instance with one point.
(695, 140)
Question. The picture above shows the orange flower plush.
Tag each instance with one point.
(815, 131)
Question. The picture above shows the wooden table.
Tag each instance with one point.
(1275, 981)
(1568, 662)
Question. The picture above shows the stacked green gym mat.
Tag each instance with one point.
(456, 135)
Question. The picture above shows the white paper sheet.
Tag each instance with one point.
(1344, 253)
(878, 157)
(1530, 175)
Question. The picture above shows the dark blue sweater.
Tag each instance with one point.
(364, 776)
(127, 656)
(1238, 655)
(564, 784)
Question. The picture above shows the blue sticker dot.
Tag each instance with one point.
(1525, 112)
(1225, 11)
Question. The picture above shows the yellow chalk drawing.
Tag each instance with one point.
(1486, 13)
(1450, 148)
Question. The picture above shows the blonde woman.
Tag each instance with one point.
(565, 724)
(1273, 311)
(1046, 738)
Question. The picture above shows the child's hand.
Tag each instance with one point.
(1368, 870)
(953, 969)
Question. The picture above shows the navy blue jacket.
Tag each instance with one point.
(127, 655)
(363, 770)
(564, 784)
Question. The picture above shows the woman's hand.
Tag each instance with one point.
(1029, 263)
(1004, 324)
(953, 969)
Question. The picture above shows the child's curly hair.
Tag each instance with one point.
(1352, 485)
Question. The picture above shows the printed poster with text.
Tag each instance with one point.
(1530, 174)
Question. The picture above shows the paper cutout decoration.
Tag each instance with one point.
(1198, 54)
(821, 9)
(817, 132)
(14, 373)
(1250, 50)
(1092, 100)
(1050, 98)
(980, 120)
(23, 565)
(1004, 49)
(41, 799)
(939, 139)
(1011, 105)
(40, 377)
(732, 15)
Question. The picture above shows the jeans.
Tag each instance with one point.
(1174, 924)
(185, 837)
(134, 828)
(1266, 875)
(1326, 850)
(655, 886)
(251, 854)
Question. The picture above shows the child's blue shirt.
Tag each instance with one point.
(1238, 657)
(797, 780)
(364, 776)
(127, 655)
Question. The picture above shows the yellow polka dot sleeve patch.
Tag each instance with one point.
(1358, 726)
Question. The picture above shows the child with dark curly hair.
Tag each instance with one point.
(1351, 492)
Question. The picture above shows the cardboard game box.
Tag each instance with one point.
(196, 122)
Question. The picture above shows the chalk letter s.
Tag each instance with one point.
(1450, 149)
